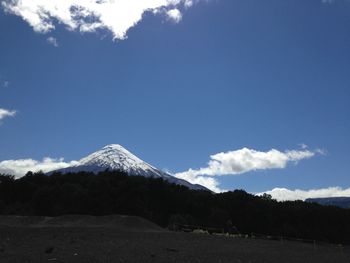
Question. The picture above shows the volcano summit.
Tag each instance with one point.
(115, 157)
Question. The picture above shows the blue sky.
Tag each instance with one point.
(214, 77)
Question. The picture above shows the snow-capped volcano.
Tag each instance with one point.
(116, 157)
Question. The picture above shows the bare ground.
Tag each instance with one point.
(85, 239)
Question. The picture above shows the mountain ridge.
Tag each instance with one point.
(343, 201)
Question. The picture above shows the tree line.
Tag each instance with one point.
(113, 192)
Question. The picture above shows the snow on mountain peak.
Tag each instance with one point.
(116, 147)
(116, 157)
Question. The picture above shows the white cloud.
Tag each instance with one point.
(52, 41)
(242, 161)
(283, 194)
(188, 3)
(6, 113)
(91, 15)
(19, 168)
(174, 15)
(209, 182)
(246, 160)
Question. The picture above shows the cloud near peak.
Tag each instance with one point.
(242, 161)
(117, 16)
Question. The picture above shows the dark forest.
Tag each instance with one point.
(164, 203)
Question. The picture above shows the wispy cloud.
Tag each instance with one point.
(283, 194)
(19, 168)
(242, 161)
(91, 15)
(328, 1)
(53, 41)
(6, 113)
(5, 84)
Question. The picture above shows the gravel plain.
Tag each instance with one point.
(111, 239)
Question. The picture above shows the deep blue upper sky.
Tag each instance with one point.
(232, 74)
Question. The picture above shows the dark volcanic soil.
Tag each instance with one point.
(86, 239)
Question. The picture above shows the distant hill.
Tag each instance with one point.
(343, 202)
